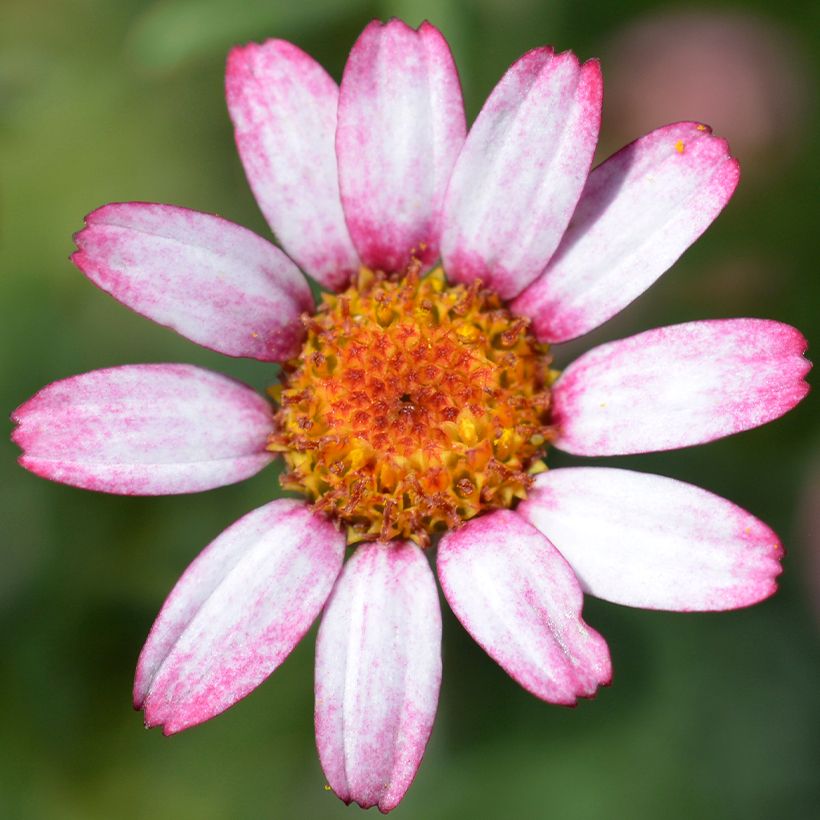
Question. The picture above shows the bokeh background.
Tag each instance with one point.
(709, 716)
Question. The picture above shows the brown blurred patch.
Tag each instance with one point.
(740, 73)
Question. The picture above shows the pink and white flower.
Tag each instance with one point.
(380, 172)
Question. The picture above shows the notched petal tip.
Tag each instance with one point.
(395, 25)
(79, 237)
(93, 218)
(796, 344)
(399, 24)
(16, 419)
(383, 807)
(800, 342)
(169, 725)
(601, 678)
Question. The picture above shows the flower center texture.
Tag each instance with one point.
(413, 406)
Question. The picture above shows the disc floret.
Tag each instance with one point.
(413, 406)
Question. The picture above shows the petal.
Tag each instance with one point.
(653, 542)
(236, 613)
(401, 126)
(640, 210)
(519, 599)
(680, 385)
(214, 282)
(378, 671)
(283, 106)
(521, 171)
(145, 429)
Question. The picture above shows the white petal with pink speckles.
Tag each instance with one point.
(653, 542)
(283, 106)
(680, 385)
(520, 600)
(401, 126)
(236, 614)
(378, 670)
(214, 282)
(522, 169)
(145, 429)
(638, 213)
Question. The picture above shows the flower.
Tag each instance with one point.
(409, 406)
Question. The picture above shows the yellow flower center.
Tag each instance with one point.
(413, 406)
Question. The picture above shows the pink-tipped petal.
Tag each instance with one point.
(378, 671)
(145, 429)
(520, 600)
(640, 210)
(653, 542)
(283, 106)
(522, 169)
(214, 282)
(401, 126)
(236, 613)
(677, 386)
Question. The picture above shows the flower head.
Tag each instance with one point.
(418, 400)
(413, 406)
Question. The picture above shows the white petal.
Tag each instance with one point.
(283, 106)
(680, 385)
(236, 613)
(519, 599)
(401, 126)
(378, 671)
(521, 171)
(145, 429)
(652, 542)
(640, 210)
(214, 282)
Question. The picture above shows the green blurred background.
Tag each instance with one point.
(712, 716)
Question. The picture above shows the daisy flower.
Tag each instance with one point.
(416, 403)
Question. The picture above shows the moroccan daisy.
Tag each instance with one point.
(416, 403)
